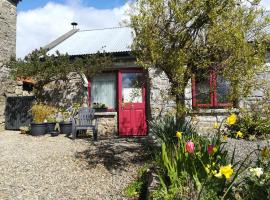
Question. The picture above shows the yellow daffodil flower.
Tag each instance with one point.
(179, 134)
(231, 119)
(225, 137)
(216, 125)
(207, 170)
(227, 171)
(239, 134)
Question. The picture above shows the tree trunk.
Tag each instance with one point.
(180, 107)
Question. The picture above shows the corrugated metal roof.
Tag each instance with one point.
(110, 40)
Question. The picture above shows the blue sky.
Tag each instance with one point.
(100, 4)
(39, 22)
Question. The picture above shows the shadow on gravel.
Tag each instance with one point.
(115, 154)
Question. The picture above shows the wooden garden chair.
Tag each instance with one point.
(84, 121)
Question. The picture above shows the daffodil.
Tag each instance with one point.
(265, 153)
(231, 119)
(207, 169)
(239, 134)
(258, 171)
(216, 125)
(225, 137)
(179, 134)
(227, 171)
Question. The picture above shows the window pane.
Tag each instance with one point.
(103, 89)
(202, 90)
(132, 87)
(223, 90)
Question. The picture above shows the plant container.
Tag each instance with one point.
(50, 127)
(54, 133)
(38, 129)
(65, 128)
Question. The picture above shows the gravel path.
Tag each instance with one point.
(243, 148)
(60, 168)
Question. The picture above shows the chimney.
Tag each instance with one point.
(74, 25)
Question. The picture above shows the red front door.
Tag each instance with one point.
(131, 103)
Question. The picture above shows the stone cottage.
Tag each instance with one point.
(8, 87)
(128, 115)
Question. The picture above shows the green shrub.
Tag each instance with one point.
(138, 187)
(251, 124)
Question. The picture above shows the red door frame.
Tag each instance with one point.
(130, 105)
(119, 92)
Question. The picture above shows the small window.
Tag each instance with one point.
(210, 91)
(27, 87)
(103, 90)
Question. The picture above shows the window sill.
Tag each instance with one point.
(105, 114)
(209, 111)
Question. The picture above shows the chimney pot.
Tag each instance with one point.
(74, 25)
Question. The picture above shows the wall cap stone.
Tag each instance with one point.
(215, 111)
(105, 113)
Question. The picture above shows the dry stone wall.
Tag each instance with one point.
(8, 87)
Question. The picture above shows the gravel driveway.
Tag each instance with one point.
(60, 168)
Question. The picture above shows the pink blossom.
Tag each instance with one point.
(190, 147)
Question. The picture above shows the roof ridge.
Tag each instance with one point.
(107, 28)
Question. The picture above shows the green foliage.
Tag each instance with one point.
(99, 105)
(206, 172)
(45, 69)
(137, 188)
(253, 122)
(41, 111)
(182, 38)
(257, 186)
(165, 129)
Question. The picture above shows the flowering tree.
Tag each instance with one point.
(183, 38)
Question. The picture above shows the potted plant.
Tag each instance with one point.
(100, 107)
(51, 122)
(66, 125)
(67, 114)
(39, 112)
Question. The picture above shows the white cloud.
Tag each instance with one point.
(38, 27)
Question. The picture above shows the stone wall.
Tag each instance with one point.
(66, 93)
(107, 124)
(162, 103)
(8, 30)
(8, 87)
(160, 100)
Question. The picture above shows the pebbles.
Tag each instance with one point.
(243, 148)
(59, 168)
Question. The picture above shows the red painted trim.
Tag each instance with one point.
(213, 93)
